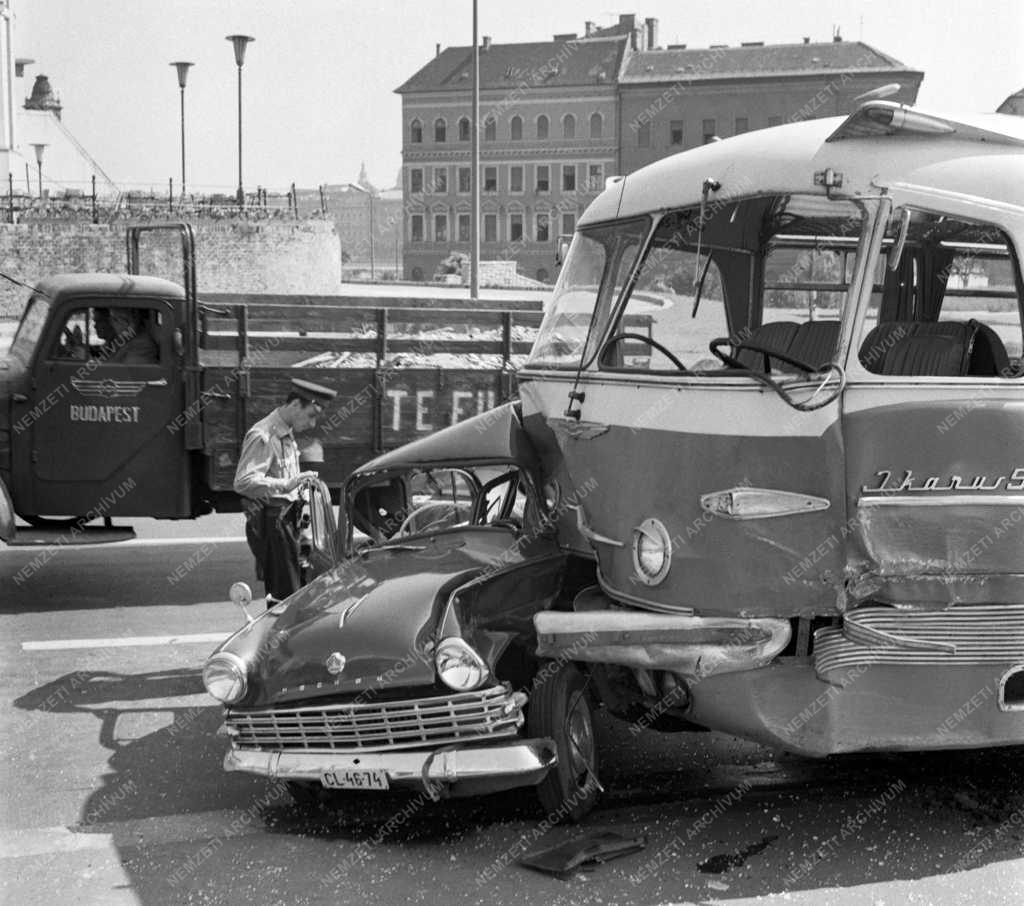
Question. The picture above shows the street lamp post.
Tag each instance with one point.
(240, 42)
(40, 148)
(182, 68)
(369, 195)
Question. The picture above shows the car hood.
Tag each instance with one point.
(378, 612)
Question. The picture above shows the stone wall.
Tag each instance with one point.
(268, 256)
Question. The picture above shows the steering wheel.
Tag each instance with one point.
(442, 511)
(643, 338)
(757, 347)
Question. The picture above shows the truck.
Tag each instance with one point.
(792, 510)
(87, 432)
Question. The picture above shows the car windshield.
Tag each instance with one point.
(596, 269)
(426, 500)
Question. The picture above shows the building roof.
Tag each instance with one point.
(708, 63)
(544, 64)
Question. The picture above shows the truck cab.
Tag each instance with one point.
(92, 379)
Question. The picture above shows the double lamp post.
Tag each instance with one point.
(239, 43)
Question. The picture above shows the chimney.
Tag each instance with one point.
(437, 49)
(807, 40)
(627, 19)
(486, 43)
(836, 37)
(652, 33)
(589, 28)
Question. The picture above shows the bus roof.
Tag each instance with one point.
(881, 143)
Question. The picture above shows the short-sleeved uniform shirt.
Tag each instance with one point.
(268, 461)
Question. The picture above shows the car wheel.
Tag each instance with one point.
(560, 710)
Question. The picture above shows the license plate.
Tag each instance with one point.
(355, 780)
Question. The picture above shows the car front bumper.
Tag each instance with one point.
(456, 770)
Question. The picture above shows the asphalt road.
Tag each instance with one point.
(113, 791)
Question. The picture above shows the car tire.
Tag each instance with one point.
(560, 710)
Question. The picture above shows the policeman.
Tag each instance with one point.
(268, 477)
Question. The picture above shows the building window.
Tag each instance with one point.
(515, 227)
(440, 130)
(490, 129)
(490, 227)
(490, 179)
(416, 181)
(542, 126)
(595, 177)
(440, 228)
(441, 180)
(675, 133)
(774, 121)
(515, 179)
(464, 228)
(568, 224)
(464, 129)
(416, 228)
(708, 128)
(568, 177)
(596, 125)
(568, 126)
(543, 178)
(543, 231)
(465, 180)
(416, 132)
(643, 136)
(515, 128)
(741, 125)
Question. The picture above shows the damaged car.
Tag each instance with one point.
(412, 662)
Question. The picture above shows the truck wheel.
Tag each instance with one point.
(560, 710)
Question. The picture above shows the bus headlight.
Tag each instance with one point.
(459, 666)
(652, 551)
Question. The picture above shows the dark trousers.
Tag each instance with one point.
(273, 536)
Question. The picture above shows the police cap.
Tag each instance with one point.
(316, 393)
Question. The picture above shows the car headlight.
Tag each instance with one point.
(225, 677)
(459, 666)
(652, 551)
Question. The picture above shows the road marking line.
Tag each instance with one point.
(116, 835)
(129, 542)
(125, 642)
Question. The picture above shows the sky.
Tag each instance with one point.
(318, 82)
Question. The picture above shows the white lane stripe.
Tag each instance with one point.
(118, 545)
(116, 835)
(134, 641)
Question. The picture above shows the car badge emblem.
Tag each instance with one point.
(335, 663)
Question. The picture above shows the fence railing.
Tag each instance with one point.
(77, 205)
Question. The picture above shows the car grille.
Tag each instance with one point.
(381, 726)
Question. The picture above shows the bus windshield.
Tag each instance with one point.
(596, 269)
